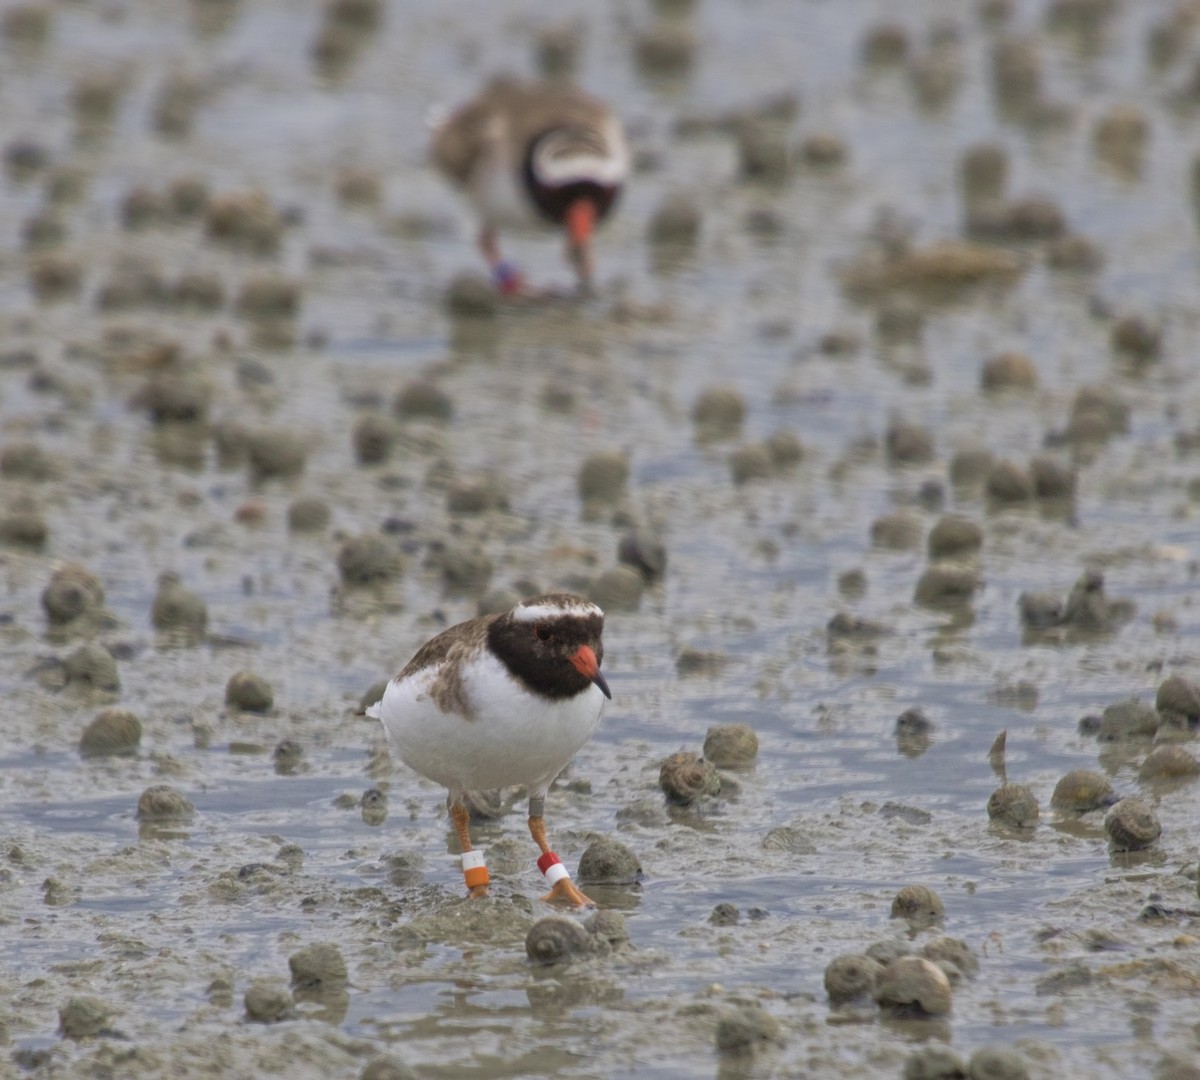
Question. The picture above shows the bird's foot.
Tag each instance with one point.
(477, 892)
(564, 891)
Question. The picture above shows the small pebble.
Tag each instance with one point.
(54, 276)
(1169, 762)
(1073, 252)
(997, 1063)
(908, 444)
(983, 173)
(645, 551)
(919, 905)
(912, 982)
(557, 49)
(885, 43)
(72, 591)
(1051, 478)
(357, 186)
(971, 465)
(1014, 805)
(1082, 790)
(163, 803)
(724, 914)
(374, 807)
(954, 536)
(603, 476)
(914, 732)
(365, 559)
(1128, 720)
(619, 588)
(421, 400)
(308, 514)
(467, 569)
(28, 461)
(24, 528)
(898, 531)
(1136, 337)
(287, 756)
(685, 778)
(199, 291)
(851, 976)
(1088, 608)
(374, 437)
(276, 453)
(731, 745)
(83, 1016)
(952, 952)
(319, 965)
(177, 607)
(92, 667)
(747, 1030)
(249, 692)
(174, 397)
(1008, 482)
(1131, 825)
(268, 296)
(900, 322)
(557, 939)
(943, 585)
(824, 149)
(470, 296)
(477, 494)
(1009, 371)
(750, 463)
(244, 219)
(268, 1003)
(608, 862)
(1120, 137)
(386, 1068)
(1178, 695)
(666, 48)
(112, 733)
(933, 1062)
(676, 222)
(718, 413)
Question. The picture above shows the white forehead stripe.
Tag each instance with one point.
(538, 612)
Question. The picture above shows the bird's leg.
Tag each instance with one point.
(474, 870)
(562, 888)
(581, 259)
(505, 275)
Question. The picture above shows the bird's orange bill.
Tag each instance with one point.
(585, 661)
(581, 219)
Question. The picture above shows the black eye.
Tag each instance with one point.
(543, 633)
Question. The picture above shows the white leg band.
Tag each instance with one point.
(472, 859)
(555, 873)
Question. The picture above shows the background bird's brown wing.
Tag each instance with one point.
(512, 109)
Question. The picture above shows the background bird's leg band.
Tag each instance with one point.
(506, 277)
(474, 871)
(552, 868)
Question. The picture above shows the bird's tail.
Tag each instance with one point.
(372, 710)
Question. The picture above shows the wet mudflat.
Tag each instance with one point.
(891, 356)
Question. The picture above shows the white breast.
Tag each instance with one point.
(514, 737)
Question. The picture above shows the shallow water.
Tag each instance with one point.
(171, 926)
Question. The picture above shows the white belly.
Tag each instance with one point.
(514, 737)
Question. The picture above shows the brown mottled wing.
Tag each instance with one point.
(512, 110)
(444, 653)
